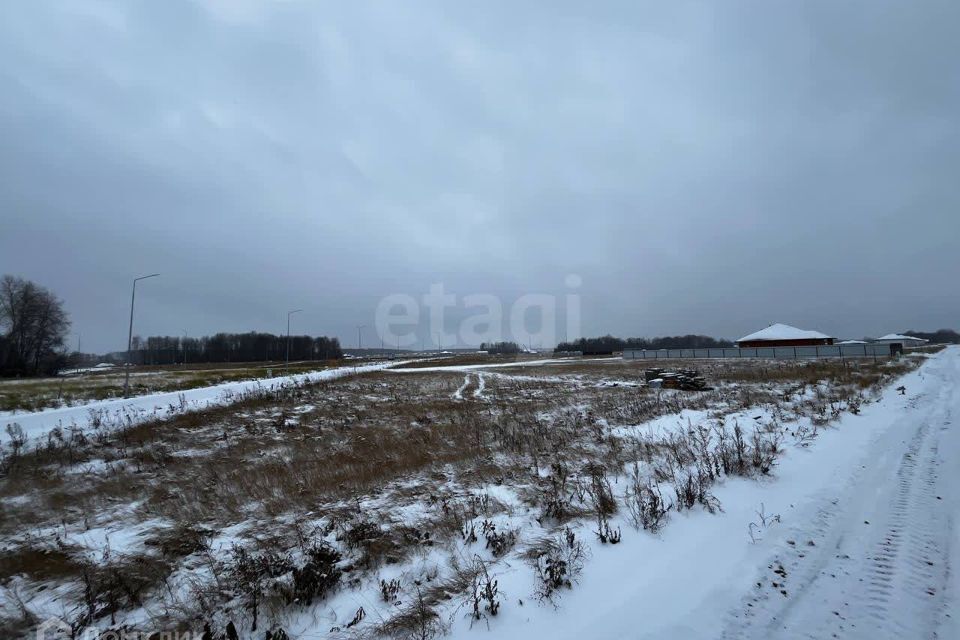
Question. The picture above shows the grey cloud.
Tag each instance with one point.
(705, 167)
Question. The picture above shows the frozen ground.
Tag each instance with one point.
(860, 542)
(73, 388)
(125, 412)
(875, 553)
(501, 502)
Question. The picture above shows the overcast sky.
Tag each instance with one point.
(703, 167)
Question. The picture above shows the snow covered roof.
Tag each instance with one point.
(852, 342)
(897, 336)
(783, 332)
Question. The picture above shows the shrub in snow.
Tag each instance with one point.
(18, 440)
(253, 573)
(764, 522)
(419, 621)
(645, 503)
(318, 576)
(692, 489)
(604, 505)
(390, 591)
(469, 533)
(558, 562)
(556, 499)
(485, 595)
(499, 543)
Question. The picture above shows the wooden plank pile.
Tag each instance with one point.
(685, 379)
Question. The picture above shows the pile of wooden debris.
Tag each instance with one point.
(686, 379)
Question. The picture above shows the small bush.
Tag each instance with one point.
(558, 562)
(485, 595)
(390, 591)
(318, 576)
(499, 543)
(251, 573)
(645, 504)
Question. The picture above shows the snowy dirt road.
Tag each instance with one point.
(879, 556)
(860, 541)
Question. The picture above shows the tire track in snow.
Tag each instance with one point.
(464, 389)
(481, 385)
(872, 564)
(458, 394)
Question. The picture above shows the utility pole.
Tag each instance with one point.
(184, 347)
(290, 313)
(133, 297)
(360, 327)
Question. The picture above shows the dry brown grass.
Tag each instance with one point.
(25, 394)
(302, 459)
(39, 563)
(465, 360)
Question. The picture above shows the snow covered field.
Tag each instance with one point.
(129, 411)
(542, 499)
(74, 388)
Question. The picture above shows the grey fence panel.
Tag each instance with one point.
(780, 353)
(881, 349)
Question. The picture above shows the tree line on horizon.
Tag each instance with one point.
(501, 348)
(253, 346)
(940, 336)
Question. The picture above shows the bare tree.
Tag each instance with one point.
(35, 325)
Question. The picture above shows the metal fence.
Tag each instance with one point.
(776, 353)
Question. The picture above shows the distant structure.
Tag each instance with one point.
(783, 335)
(908, 342)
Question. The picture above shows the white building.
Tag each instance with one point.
(783, 335)
(908, 342)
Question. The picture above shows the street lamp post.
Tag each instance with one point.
(133, 297)
(290, 313)
(360, 328)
